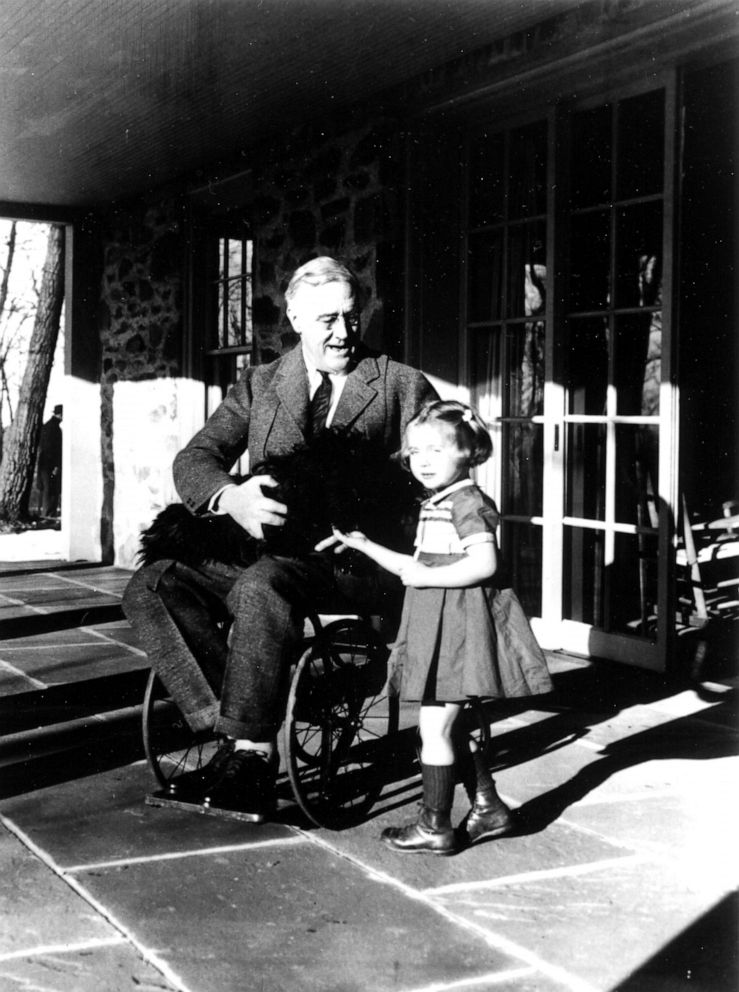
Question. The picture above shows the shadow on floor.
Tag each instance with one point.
(703, 958)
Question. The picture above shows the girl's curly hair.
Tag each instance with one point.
(467, 427)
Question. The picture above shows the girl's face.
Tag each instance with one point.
(433, 456)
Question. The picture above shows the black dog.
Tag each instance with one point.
(340, 479)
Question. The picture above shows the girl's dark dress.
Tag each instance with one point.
(477, 640)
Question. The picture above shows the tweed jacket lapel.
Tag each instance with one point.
(358, 392)
(291, 386)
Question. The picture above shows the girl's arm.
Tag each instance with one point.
(479, 564)
(391, 561)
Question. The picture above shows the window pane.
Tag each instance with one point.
(235, 260)
(583, 576)
(632, 586)
(586, 364)
(590, 255)
(637, 474)
(485, 276)
(641, 143)
(526, 269)
(591, 157)
(521, 547)
(226, 369)
(586, 471)
(637, 363)
(524, 375)
(639, 253)
(522, 476)
(235, 330)
(221, 309)
(527, 169)
(486, 179)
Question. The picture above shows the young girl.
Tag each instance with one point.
(463, 632)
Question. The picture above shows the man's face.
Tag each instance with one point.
(327, 319)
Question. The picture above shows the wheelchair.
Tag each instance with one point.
(340, 734)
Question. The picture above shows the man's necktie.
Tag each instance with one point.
(319, 405)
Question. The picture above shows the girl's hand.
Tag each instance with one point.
(413, 573)
(354, 539)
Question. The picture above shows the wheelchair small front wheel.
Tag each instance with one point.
(171, 747)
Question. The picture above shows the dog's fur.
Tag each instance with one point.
(339, 479)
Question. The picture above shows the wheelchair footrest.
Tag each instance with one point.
(164, 798)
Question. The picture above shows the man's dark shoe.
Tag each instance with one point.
(429, 834)
(189, 786)
(489, 821)
(245, 785)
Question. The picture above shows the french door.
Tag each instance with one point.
(568, 282)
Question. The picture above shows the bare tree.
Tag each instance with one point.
(21, 437)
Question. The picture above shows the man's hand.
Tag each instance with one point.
(250, 508)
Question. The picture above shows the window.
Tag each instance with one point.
(230, 335)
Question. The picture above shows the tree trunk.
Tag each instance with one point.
(21, 438)
(4, 391)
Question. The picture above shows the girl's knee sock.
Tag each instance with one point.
(438, 792)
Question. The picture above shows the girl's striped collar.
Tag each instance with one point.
(455, 486)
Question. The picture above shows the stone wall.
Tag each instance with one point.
(329, 192)
(141, 330)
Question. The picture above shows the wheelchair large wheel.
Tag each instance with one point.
(171, 747)
(477, 724)
(339, 723)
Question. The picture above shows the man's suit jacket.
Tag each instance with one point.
(266, 413)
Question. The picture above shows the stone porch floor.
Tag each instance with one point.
(622, 876)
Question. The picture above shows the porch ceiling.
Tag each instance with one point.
(106, 98)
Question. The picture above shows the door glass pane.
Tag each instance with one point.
(641, 144)
(591, 157)
(586, 361)
(637, 479)
(524, 396)
(632, 586)
(590, 258)
(522, 478)
(485, 371)
(586, 471)
(526, 269)
(485, 277)
(637, 363)
(583, 576)
(521, 547)
(638, 254)
(527, 184)
(487, 187)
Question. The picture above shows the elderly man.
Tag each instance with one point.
(237, 685)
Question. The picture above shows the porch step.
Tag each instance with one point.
(72, 676)
(68, 705)
(29, 624)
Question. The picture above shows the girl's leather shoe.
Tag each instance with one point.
(489, 821)
(426, 836)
